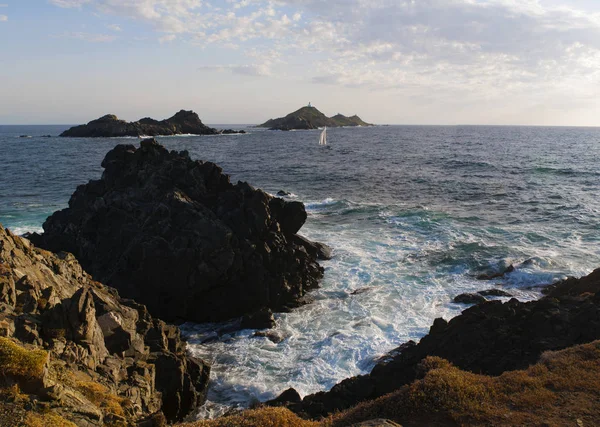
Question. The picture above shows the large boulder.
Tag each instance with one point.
(178, 236)
(108, 361)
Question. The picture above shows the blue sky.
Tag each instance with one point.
(245, 61)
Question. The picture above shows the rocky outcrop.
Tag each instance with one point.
(176, 235)
(183, 122)
(108, 361)
(311, 118)
(489, 338)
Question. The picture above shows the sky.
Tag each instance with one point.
(502, 62)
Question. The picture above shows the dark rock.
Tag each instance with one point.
(491, 276)
(273, 336)
(231, 132)
(285, 398)
(183, 122)
(488, 338)
(177, 236)
(311, 118)
(360, 291)
(315, 249)
(261, 319)
(282, 193)
(469, 299)
(96, 337)
(494, 293)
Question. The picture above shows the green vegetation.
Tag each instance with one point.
(17, 362)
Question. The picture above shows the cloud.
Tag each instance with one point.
(88, 37)
(167, 38)
(255, 70)
(69, 3)
(3, 18)
(114, 27)
(458, 46)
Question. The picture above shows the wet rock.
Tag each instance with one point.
(177, 236)
(494, 293)
(360, 291)
(491, 276)
(316, 249)
(282, 193)
(285, 398)
(261, 319)
(273, 336)
(469, 299)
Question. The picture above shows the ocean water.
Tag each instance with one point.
(414, 214)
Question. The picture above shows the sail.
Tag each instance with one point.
(323, 138)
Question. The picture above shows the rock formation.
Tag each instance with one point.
(311, 118)
(489, 338)
(176, 235)
(70, 347)
(183, 122)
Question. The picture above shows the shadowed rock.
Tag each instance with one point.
(101, 348)
(176, 235)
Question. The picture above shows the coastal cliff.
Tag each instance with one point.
(178, 236)
(311, 118)
(73, 351)
(108, 126)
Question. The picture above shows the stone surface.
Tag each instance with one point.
(494, 293)
(95, 339)
(183, 122)
(177, 236)
(489, 338)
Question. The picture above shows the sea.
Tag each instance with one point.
(414, 214)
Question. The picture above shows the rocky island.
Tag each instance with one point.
(311, 118)
(109, 126)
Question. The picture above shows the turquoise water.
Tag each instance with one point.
(413, 213)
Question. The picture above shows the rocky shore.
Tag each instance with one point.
(489, 338)
(178, 236)
(72, 350)
(311, 118)
(108, 126)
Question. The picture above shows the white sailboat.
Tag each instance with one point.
(323, 138)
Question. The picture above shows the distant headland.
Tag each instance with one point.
(310, 118)
(183, 122)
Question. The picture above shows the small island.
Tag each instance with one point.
(310, 118)
(108, 126)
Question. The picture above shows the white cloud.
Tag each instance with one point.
(3, 18)
(167, 38)
(464, 46)
(114, 27)
(255, 70)
(69, 3)
(88, 37)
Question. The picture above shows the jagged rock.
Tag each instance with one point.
(282, 193)
(177, 236)
(379, 422)
(489, 338)
(494, 293)
(316, 249)
(101, 348)
(183, 122)
(311, 118)
(286, 398)
(469, 299)
(273, 336)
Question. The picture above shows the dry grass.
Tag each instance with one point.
(562, 389)
(263, 417)
(20, 363)
(102, 397)
(46, 420)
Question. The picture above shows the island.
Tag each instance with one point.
(109, 126)
(310, 118)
